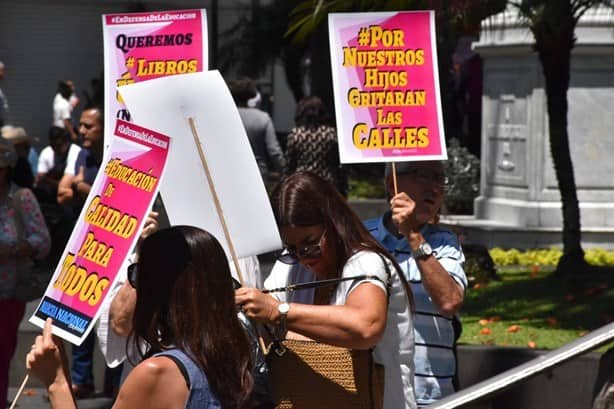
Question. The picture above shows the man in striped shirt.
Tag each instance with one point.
(431, 258)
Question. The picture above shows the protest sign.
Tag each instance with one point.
(386, 88)
(106, 231)
(168, 104)
(143, 46)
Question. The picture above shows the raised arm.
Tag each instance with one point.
(122, 310)
(47, 361)
(445, 292)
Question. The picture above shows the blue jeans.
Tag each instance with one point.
(83, 361)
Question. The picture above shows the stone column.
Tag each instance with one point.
(518, 187)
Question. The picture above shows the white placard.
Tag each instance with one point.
(165, 104)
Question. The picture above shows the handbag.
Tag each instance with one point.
(32, 275)
(312, 375)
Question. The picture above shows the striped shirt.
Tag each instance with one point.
(434, 360)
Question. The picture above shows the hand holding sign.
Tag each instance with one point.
(46, 359)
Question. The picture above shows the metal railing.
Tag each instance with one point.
(522, 372)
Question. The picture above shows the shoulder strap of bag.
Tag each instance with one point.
(320, 283)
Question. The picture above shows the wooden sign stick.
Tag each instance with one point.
(220, 213)
(23, 385)
(394, 178)
(216, 200)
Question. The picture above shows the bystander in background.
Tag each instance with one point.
(259, 127)
(23, 237)
(432, 260)
(312, 144)
(27, 158)
(62, 108)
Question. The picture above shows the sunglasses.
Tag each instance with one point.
(291, 255)
(133, 274)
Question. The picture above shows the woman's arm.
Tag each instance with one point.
(358, 324)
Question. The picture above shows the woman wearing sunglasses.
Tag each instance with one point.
(198, 355)
(325, 240)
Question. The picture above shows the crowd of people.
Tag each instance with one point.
(43, 196)
(188, 334)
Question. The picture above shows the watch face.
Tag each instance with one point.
(283, 308)
(424, 250)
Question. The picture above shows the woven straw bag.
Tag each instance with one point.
(312, 375)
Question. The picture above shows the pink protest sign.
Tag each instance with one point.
(386, 87)
(143, 46)
(106, 231)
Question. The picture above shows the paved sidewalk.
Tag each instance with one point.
(33, 398)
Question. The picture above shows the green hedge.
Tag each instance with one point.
(547, 257)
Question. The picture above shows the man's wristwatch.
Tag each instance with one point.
(424, 250)
(283, 309)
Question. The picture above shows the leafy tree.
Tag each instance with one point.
(553, 24)
(257, 40)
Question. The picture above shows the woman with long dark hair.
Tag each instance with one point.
(198, 355)
(323, 240)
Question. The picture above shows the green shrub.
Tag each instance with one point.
(366, 189)
(366, 181)
(463, 172)
(547, 257)
(599, 257)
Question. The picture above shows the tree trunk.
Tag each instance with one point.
(554, 36)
